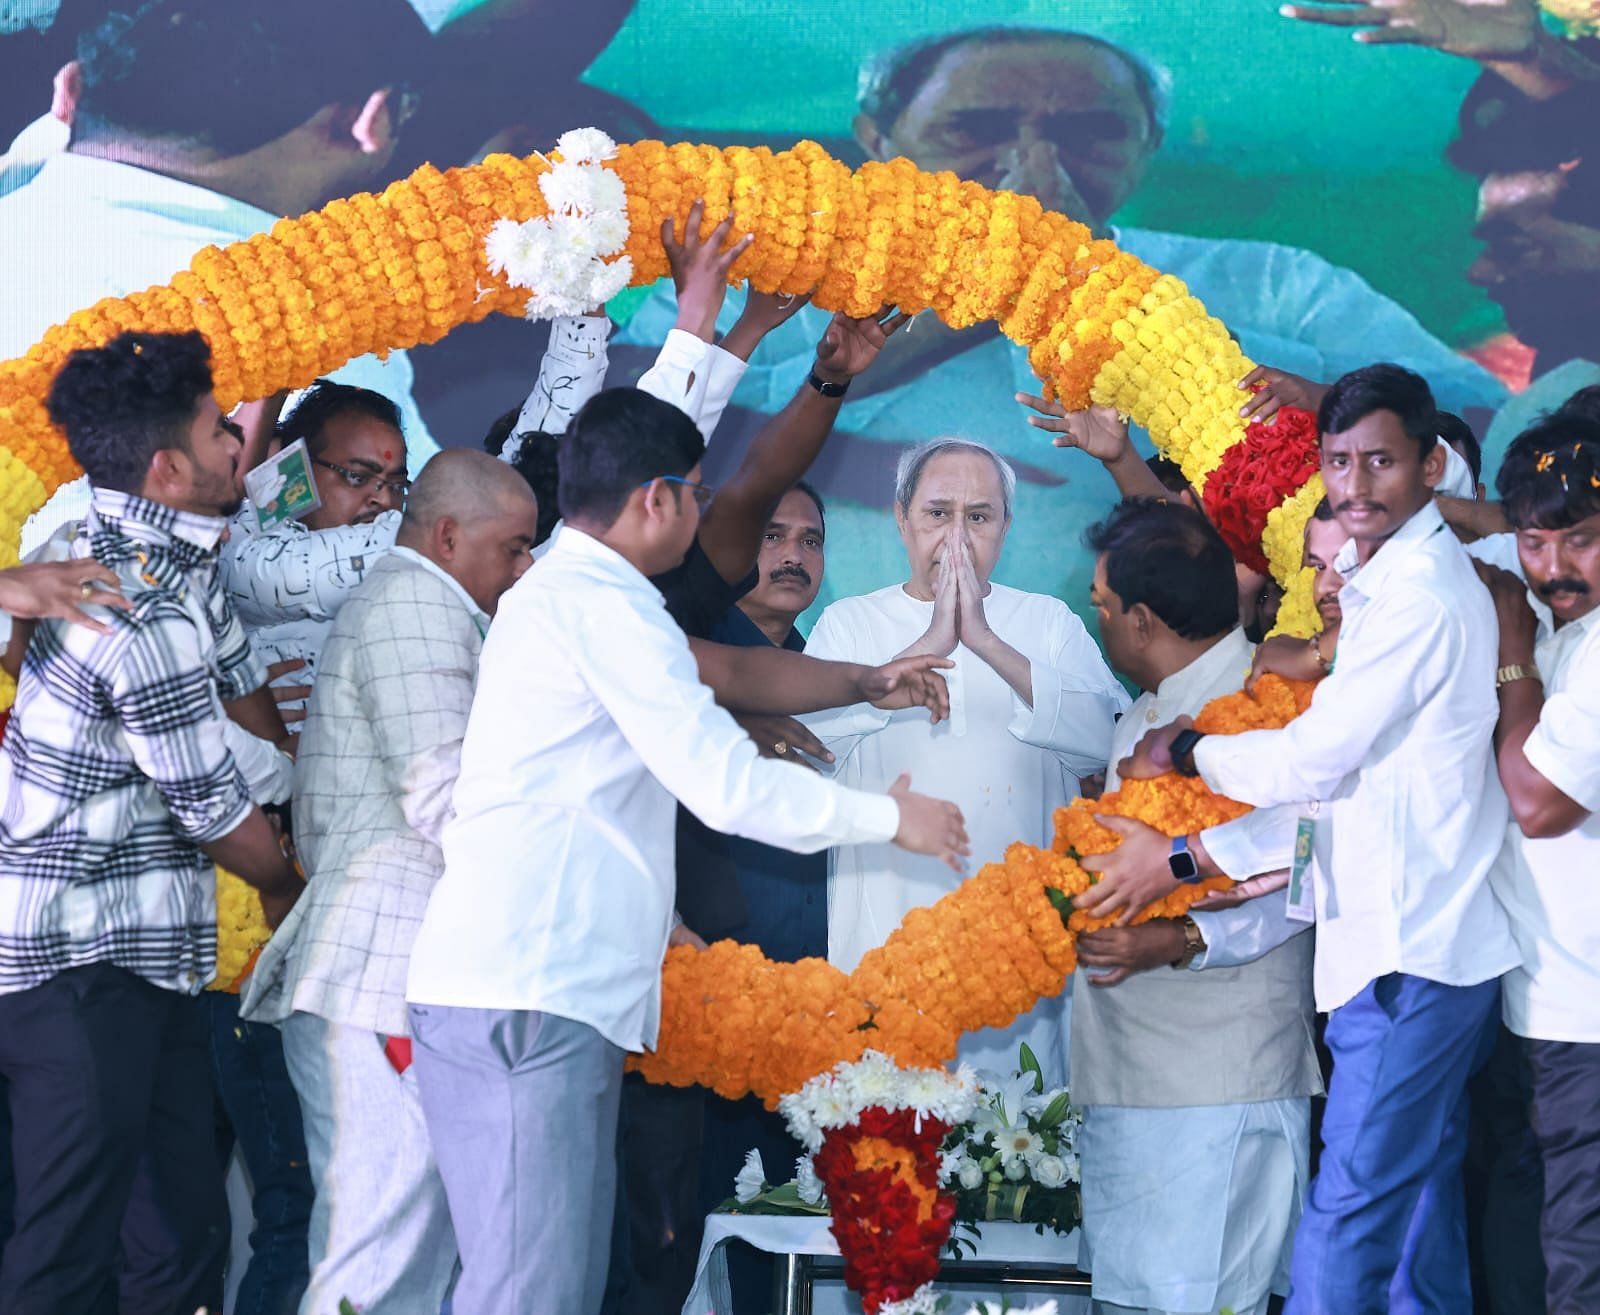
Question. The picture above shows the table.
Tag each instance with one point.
(1011, 1259)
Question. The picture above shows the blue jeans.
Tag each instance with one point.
(1384, 1228)
(263, 1116)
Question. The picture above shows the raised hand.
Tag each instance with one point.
(1279, 389)
(1099, 431)
(1474, 29)
(700, 269)
(972, 624)
(944, 629)
(909, 682)
(849, 346)
(930, 826)
(763, 312)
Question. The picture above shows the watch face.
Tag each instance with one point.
(1183, 866)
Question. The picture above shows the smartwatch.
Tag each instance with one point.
(1183, 752)
(1182, 862)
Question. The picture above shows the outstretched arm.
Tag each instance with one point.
(1103, 434)
(774, 680)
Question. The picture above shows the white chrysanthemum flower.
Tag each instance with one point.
(582, 145)
(1020, 1144)
(970, 1175)
(610, 229)
(806, 1182)
(749, 1182)
(606, 280)
(1050, 1171)
(509, 248)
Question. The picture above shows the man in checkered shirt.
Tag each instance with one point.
(117, 792)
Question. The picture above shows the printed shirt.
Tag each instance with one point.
(115, 767)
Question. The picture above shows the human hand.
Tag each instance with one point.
(1124, 951)
(276, 903)
(1243, 892)
(283, 694)
(700, 269)
(930, 826)
(910, 682)
(783, 738)
(1278, 389)
(944, 627)
(763, 312)
(1519, 627)
(849, 346)
(971, 622)
(1152, 756)
(1291, 658)
(1133, 876)
(1473, 29)
(1099, 431)
(681, 935)
(61, 590)
(1092, 787)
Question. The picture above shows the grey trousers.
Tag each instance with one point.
(522, 1112)
(380, 1229)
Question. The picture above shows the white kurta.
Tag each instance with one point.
(1007, 766)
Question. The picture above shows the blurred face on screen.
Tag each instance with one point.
(1063, 120)
(1541, 259)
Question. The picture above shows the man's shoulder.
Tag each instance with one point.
(392, 590)
(857, 606)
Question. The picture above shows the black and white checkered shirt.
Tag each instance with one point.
(114, 768)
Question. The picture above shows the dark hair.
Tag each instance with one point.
(1458, 434)
(1171, 475)
(891, 80)
(1583, 404)
(1383, 387)
(537, 462)
(1168, 557)
(122, 403)
(233, 75)
(622, 438)
(1550, 477)
(804, 486)
(1323, 511)
(324, 401)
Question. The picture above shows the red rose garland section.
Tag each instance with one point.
(1258, 474)
(889, 1216)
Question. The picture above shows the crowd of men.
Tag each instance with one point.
(487, 731)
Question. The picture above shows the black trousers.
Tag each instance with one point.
(119, 1206)
(1566, 1121)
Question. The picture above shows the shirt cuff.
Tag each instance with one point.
(5, 633)
(868, 818)
(1210, 933)
(1554, 763)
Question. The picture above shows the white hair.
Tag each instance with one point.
(914, 460)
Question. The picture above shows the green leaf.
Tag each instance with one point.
(1061, 901)
(1030, 1064)
(781, 1200)
(1055, 1111)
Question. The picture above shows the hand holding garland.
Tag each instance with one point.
(1136, 873)
(1101, 433)
(700, 267)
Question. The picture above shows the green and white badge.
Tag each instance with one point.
(281, 488)
(1302, 905)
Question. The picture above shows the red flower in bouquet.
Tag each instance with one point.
(1255, 476)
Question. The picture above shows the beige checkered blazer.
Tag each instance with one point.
(377, 765)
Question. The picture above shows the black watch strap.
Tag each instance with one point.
(825, 388)
(1183, 751)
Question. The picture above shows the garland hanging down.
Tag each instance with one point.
(374, 273)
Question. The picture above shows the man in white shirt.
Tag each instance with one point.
(537, 966)
(1031, 710)
(1410, 938)
(1221, 1062)
(195, 125)
(377, 764)
(1548, 747)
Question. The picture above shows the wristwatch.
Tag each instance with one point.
(1506, 675)
(1183, 751)
(1182, 862)
(1193, 943)
(825, 388)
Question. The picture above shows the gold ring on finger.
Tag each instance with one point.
(86, 588)
(780, 748)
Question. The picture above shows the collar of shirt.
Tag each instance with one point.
(189, 539)
(1363, 581)
(576, 543)
(1181, 693)
(477, 613)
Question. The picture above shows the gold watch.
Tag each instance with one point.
(1193, 942)
(1506, 675)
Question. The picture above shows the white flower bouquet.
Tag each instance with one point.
(1016, 1158)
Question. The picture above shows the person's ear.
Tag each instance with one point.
(1434, 465)
(168, 473)
(869, 136)
(446, 534)
(374, 130)
(66, 91)
(1144, 622)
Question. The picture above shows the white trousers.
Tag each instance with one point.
(380, 1228)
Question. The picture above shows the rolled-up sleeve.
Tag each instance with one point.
(696, 376)
(573, 370)
(1242, 935)
(164, 697)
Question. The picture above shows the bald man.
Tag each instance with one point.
(378, 761)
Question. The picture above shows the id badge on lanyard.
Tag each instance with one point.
(1302, 904)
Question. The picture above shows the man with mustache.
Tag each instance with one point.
(1411, 941)
(1547, 745)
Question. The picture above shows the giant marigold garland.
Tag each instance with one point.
(372, 273)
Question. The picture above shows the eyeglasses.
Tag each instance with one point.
(702, 493)
(359, 479)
